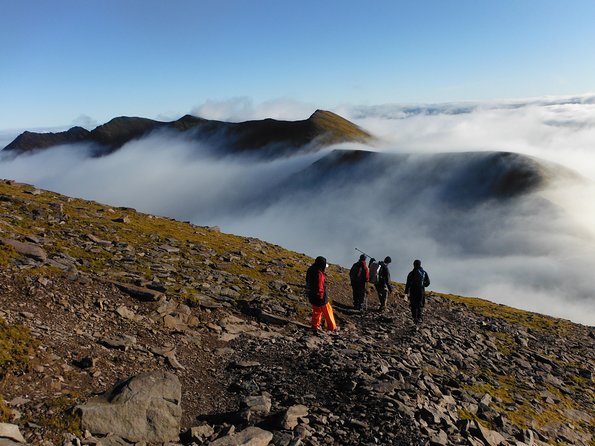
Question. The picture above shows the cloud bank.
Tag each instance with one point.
(535, 252)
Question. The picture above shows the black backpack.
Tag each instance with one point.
(356, 272)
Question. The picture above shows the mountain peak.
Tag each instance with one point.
(338, 129)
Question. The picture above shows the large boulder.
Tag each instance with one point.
(144, 408)
(27, 249)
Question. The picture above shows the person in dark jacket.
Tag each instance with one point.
(417, 281)
(317, 295)
(359, 276)
(383, 286)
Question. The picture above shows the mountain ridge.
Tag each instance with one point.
(322, 128)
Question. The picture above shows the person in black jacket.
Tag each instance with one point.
(417, 281)
(359, 275)
(383, 286)
(317, 295)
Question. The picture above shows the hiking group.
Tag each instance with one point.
(360, 274)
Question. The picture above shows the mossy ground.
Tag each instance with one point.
(16, 347)
(5, 412)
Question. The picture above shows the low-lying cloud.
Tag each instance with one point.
(535, 252)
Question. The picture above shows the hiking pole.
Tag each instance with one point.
(359, 250)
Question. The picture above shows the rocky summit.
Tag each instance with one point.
(120, 328)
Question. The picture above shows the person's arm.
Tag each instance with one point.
(321, 285)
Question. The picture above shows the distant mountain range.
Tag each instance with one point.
(273, 136)
(466, 178)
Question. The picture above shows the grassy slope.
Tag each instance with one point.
(248, 260)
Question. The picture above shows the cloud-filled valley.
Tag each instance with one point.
(518, 230)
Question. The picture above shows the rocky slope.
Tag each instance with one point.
(271, 136)
(213, 328)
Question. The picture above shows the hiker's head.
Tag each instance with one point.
(320, 263)
(417, 263)
(387, 260)
(362, 257)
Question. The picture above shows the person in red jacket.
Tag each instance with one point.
(317, 295)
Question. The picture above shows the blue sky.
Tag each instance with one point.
(65, 58)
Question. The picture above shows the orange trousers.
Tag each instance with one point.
(329, 317)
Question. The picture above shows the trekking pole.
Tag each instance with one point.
(359, 250)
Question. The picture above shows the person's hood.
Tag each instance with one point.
(320, 263)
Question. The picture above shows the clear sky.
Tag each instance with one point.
(65, 58)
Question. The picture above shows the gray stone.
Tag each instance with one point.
(143, 408)
(7, 442)
(439, 439)
(486, 400)
(27, 249)
(292, 414)
(251, 436)
(259, 405)
(11, 432)
(430, 415)
(199, 433)
(122, 342)
(141, 293)
(490, 437)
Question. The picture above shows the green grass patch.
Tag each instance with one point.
(7, 255)
(16, 346)
(59, 415)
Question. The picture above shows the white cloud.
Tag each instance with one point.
(244, 109)
(527, 254)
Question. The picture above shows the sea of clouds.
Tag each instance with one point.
(535, 253)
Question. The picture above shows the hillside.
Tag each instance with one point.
(272, 136)
(92, 295)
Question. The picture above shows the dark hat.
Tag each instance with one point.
(362, 257)
(387, 259)
(417, 263)
(320, 262)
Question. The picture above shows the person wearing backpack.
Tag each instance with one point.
(417, 281)
(317, 295)
(359, 276)
(383, 286)
(373, 267)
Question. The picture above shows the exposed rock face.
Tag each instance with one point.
(143, 408)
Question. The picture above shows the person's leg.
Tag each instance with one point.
(382, 291)
(329, 317)
(361, 294)
(316, 317)
(355, 297)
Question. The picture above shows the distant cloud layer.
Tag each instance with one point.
(535, 253)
